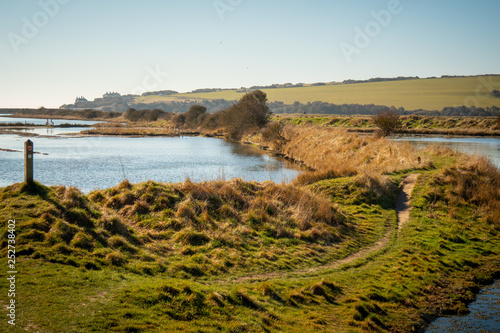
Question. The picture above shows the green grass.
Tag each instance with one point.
(201, 257)
(427, 94)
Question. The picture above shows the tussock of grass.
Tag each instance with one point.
(474, 181)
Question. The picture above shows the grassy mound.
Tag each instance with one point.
(187, 229)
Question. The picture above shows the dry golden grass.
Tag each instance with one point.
(221, 217)
(335, 151)
(474, 180)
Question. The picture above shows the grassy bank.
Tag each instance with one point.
(237, 256)
(423, 125)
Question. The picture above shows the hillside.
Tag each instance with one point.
(427, 94)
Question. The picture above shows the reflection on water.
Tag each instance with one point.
(489, 147)
(483, 316)
(101, 162)
(50, 131)
(41, 121)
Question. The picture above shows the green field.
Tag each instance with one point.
(427, 94)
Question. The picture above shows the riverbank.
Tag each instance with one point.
(43, 113)
(483, 314)
(411, 125)
(184, 256)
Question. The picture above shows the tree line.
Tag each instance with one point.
(251, 112)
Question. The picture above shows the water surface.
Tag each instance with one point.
(489, 147)
(483, 316)
(42, 121)
(101, 162)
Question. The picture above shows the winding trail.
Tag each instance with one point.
(402, 208)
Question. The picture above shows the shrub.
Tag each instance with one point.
(192, 117)
(143, 115)
(388, 121)
(251, 112)
(273, 133)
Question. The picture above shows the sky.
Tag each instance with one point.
(52, 51)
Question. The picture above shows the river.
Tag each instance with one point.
(101, 162)
(489, 147)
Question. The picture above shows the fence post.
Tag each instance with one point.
(28, 161)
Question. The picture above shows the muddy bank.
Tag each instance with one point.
(484, 315)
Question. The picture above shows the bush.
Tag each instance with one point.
(251, 112)
(143, 115)
(273, 133)
(192, 117)
(387, 121)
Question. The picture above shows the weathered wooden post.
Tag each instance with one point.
(28, 161)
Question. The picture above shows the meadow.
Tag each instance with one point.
(427, 94)
(322, 254)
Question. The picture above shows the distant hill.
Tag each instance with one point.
(410, 94)
(432, 96)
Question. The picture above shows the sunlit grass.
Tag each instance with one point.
(427, 94)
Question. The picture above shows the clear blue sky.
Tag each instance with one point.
(88, 47)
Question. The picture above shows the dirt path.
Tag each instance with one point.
(403, 212)
(403, 202)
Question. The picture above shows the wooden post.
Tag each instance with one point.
(28, 161)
